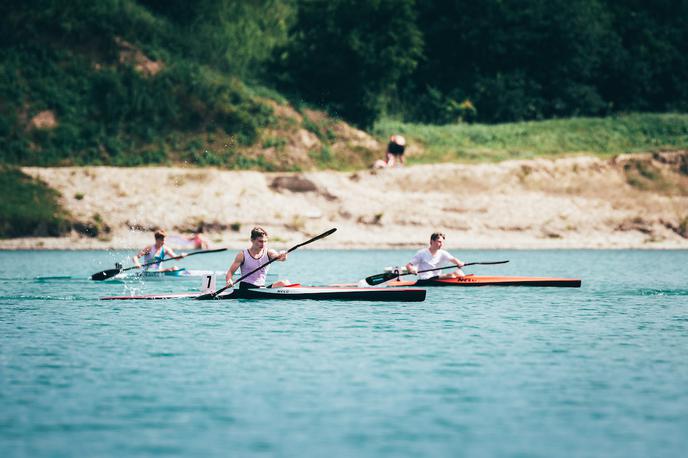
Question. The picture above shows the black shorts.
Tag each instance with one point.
(244, 285)
(395, 149)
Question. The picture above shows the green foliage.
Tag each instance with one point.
(29, 207)
(350, 55)
(237, 36)
(603, 136)
(108, 111)
(434, 107)
(536, 60)
(435, 61)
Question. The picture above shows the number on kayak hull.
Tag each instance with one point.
(208, 284)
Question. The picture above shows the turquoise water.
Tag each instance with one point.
(509, 372)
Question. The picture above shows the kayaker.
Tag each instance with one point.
(199, 242)
(253, 257)
(432, 257)
(156, 252)
(195, 241)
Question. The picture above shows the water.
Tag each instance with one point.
(596, 371)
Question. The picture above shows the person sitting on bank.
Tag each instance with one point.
(394, 156)
(156, 252)
(433, 257)
(253, 257)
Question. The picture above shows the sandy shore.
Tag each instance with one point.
(579, 202)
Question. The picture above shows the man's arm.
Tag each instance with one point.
(238, 260)
(454, 260)
(411, 266)
(141, 253)
(281, 256)
(171, 252)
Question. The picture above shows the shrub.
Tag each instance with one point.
(29, 207)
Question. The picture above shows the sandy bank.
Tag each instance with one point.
(579, 202)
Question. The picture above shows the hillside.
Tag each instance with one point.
(218, 88)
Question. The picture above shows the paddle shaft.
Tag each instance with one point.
(457, 267)
(318, 237)
(383, 277)
(105, 274)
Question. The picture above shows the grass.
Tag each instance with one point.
(490, 143)
(29, 207)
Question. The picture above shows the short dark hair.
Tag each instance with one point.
(258, 232)
(160, 234)
(436, 235)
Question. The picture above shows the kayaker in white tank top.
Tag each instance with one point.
(156, 252)
(432, 257)
(252, 258)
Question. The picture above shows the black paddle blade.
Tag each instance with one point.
(317, 237)
(380, 278)
(104, 275)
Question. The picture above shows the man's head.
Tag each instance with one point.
(437, 240)
(160, 235)
(259, 237)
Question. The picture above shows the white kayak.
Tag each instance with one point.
(168, 273)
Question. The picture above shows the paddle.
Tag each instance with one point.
(104, 275)
(381, 278)
(318, 237)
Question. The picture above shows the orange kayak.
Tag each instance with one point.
(479, 280)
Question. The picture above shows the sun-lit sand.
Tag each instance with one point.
(578, 202)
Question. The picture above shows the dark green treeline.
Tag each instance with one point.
(437, 61)
(430, 61)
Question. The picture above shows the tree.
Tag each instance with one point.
(350, 55)
(517, 59)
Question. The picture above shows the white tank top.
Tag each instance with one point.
(151, 256)
(250, 263)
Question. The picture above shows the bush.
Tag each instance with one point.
(29, 207)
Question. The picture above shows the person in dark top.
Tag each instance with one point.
(395, 151)
(394, 156)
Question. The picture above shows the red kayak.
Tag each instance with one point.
(479, 280)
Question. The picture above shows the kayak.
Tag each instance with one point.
(479, 280)
(179, 273)
(296, 291)
(183, 272)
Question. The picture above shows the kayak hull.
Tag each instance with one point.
(179, 273)
(301, 293)
(479, 280)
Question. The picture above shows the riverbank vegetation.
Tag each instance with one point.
(602, 137)
(269, 84)
(29, 207)
(135, 82)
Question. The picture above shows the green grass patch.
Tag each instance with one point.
(523, 140)
(29, 207)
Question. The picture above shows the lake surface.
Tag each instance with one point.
(509, 372)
